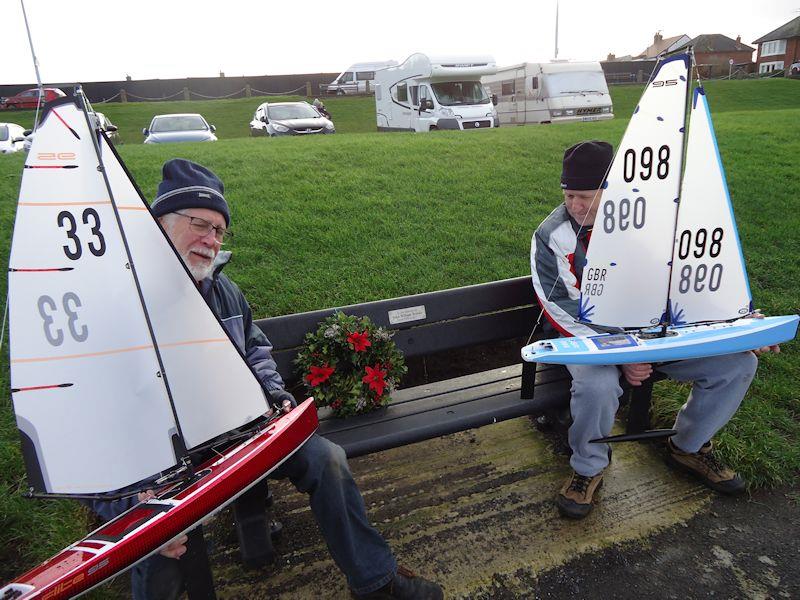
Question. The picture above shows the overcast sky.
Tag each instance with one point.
(99, 40)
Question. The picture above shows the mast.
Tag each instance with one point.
(35, 66)
(668, 306)
(179, 444)
(556, 44)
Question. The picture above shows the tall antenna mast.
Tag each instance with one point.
(556, 54)
(35, 65)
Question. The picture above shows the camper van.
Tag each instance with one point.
(426, 93)
(552, 92)
(356, 79)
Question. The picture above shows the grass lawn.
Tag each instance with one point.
(332, 220)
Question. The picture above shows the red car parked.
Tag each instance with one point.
(28, 98)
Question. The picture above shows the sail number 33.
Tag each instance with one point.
(74, 250)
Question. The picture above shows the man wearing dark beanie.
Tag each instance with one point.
(192, 210)
(558, 255)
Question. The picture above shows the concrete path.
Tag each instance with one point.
(472, 510)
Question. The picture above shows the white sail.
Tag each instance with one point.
(212, 387)
(622, 287)
(91, 404)
(709, 281)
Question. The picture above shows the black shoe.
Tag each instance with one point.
(405, 585)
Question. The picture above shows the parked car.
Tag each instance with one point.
(106, 125)
(289, 118)
(29, 98)
(11, 138)
(186, 127)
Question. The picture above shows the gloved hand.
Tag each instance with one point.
(281, 399)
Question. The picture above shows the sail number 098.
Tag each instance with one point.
(624, 214)
(646, 159)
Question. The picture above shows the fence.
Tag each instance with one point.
(206, 88)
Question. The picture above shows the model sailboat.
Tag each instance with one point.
(119, 369)
(665, 272)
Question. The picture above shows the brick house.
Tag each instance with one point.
(713, 53)
(780, 49)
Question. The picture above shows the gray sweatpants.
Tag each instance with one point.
(719, 384)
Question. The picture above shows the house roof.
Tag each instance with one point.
(660, 46)
(785, 31)
(716, 42)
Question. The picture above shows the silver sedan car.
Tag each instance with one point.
(289, 118)
(186, 127)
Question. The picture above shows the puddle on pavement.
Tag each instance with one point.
(466, 509)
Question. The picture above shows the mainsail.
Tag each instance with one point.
(117, 362)
(620, 287)
(709, 280)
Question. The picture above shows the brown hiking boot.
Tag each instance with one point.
(574, 501)
(706, 467)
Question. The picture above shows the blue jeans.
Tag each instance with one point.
(319, 468)
(719, 384)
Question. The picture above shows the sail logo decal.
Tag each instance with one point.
(63, 587)
(665, 83)
(56, 156)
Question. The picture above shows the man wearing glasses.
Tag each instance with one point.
(194, 214)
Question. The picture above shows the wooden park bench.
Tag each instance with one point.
(477, 331)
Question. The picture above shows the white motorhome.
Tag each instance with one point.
(356, 79)
(427, 93)
(551, 92)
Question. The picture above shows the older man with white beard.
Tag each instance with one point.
(195, 216)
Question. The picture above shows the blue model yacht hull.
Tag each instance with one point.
(680, 343)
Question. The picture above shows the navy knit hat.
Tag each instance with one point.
(189, 185)
(585, 165)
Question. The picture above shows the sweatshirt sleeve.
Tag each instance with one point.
(556, 285)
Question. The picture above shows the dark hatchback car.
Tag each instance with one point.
(289, 118)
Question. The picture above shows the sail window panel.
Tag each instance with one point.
(628, 288)
(212, 386)
(709, 281)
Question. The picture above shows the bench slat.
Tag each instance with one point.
(287, 331)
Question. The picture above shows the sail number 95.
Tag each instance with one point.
(624, 214)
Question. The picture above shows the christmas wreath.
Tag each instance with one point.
(350, 364)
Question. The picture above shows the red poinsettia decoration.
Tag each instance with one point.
(375, 379)
(359, 341)
(319, 375)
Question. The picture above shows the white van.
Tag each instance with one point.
(356, 78)
(427, 93)
(552, 92)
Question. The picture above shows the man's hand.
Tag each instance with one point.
(286, 400)
(636, 373)
(756, 314)
(177, 547)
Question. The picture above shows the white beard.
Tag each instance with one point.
(199, 272)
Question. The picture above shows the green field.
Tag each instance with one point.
(332, 220)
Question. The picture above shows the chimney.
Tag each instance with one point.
(611, 57)
(738, 39)
(657, 37)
